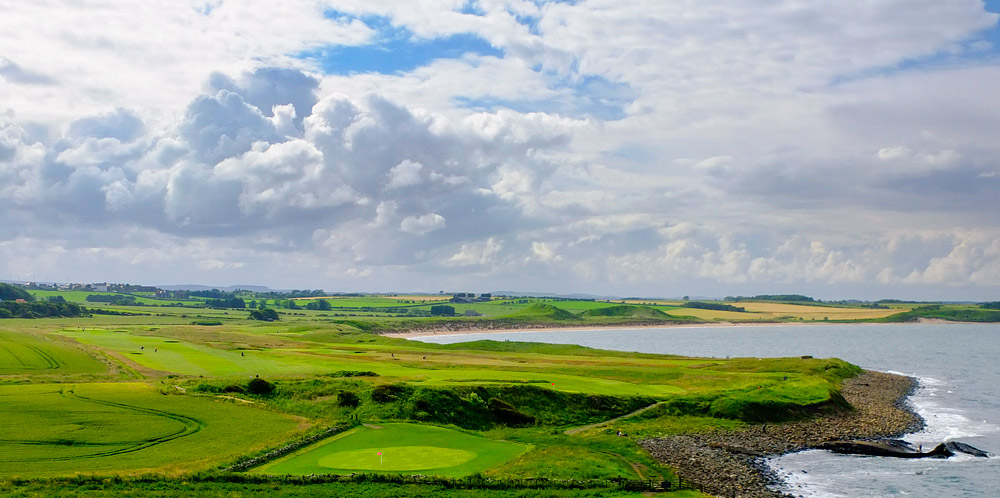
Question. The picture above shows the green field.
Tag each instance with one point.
(406, 448)
(195, 351)
(404, 312)
(22, 353)
(80, 297)
(177, 391)
(125, 428)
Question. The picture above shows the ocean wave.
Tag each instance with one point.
(933, 401)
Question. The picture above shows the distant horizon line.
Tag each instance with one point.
(509, 293)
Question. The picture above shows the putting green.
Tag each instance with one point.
(416, 448)
(397, 458)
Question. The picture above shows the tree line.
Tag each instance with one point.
(14, 309)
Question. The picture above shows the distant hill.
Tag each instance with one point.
(626, 310)
(230, 288)
(542, 311)
(554, 295)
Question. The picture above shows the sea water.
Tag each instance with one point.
(957, 365)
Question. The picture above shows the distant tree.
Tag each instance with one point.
(14, 309)
(442, 310)
(264, 315)
(319, 304)
(773, 297)
(56, 299)
(213, 294)
(714, 306)
(112, 299)
(13, 293)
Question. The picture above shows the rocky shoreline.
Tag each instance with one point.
(731, 463)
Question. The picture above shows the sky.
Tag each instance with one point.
(643, 148)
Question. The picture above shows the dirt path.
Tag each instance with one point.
(577, 430)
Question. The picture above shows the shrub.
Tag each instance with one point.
(442, 310)
(508, 415)
(348, 399)
(265, 315)
(259, 386)
(387, 393)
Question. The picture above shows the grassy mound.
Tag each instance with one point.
(543, 312)
(627, 311)
(774, 399)
(955, 314)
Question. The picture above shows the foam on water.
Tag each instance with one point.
(934, 401)
(836, 476)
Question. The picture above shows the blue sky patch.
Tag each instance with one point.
(982, 47)
(394, 50)
(591, 96)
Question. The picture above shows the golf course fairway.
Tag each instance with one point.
(396, 448)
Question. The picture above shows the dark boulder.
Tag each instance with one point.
(960, 447)
(890, 448)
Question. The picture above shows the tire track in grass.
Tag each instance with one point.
(16, 357)
(52, 361)
(190, 427)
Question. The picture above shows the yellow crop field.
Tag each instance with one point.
(777, 310)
